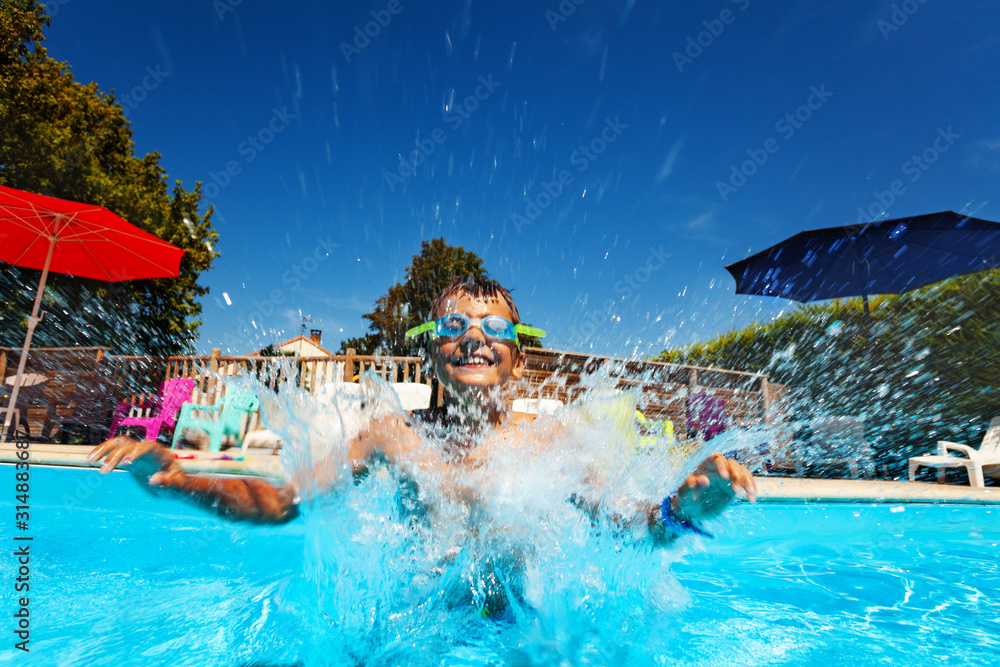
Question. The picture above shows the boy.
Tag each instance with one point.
(474, 352)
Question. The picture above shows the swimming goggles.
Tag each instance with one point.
(454, 325)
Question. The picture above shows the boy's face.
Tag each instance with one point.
(473, 359)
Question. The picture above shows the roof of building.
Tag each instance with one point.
(302, 346)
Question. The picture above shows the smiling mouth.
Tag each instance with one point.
(474, 360)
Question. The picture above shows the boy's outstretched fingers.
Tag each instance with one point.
(713, 485)
(739, 478)
(742, 480)
(717, 467)
(128, 453)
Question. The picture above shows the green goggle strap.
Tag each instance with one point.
(518, 328)
(422, 328)
(529, 331)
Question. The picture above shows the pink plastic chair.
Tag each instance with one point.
(174, 394)
(125, 408)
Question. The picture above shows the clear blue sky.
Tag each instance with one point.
(625, 252)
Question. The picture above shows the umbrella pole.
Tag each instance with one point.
(33, 321)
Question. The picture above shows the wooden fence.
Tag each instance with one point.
(664, 388)
(75, 390)
(91, 381)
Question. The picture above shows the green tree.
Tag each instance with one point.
(72, 141)
(925, 367)
(367, 344)
(408, 304)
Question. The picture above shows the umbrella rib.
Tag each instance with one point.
(70, 228)
(932, 248)
(158, 265)
(858, 257)
(19, 222)
(97, 262)
(42, 215)
(27, 248)
(141, 235)
(132, 252)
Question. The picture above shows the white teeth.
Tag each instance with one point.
(474, 361)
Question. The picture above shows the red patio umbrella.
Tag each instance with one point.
(82, 240)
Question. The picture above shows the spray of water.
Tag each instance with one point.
(538, 551)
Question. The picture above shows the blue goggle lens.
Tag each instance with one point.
(455, 324)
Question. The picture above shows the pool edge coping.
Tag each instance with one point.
(74, 456)
(770, 489)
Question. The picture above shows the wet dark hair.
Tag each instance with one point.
(476, 287)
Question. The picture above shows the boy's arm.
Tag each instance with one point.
(252, 499)
(393, 440)
(705, 493)
(239, 498)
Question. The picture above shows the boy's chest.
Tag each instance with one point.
(501, 444)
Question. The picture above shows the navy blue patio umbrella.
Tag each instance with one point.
(884, 257)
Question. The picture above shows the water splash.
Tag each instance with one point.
(498, 562)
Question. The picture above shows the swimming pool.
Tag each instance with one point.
(121, 577)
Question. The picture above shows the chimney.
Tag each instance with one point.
(315, 335)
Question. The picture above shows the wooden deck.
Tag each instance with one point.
(85, 384)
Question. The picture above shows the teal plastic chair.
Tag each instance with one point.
(229, 411)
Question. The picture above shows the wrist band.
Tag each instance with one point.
(680, 526)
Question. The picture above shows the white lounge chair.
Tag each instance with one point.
(262, 439)
(413, 395)
(344, 403)
(536, 406)
(329, 389)
(988, 454)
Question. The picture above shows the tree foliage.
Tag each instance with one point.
(72, 141)
(926, 367)
(408, 304)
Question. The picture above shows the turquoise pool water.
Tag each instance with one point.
(122, 577)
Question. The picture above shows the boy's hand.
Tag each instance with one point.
(148, 461)
(711, 487)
